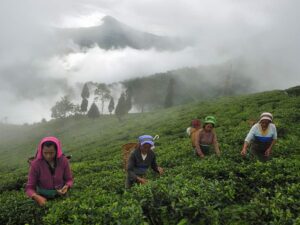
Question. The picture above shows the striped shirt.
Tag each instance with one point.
(256, 133)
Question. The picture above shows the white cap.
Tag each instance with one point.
(266, 116)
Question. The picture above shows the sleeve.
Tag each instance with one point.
(197, 139)
(274, 132)
(154, 165)
(188, 131)
(251, 133)
(130, 167)
(68, 174)
(30, 188)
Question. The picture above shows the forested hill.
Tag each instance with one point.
(187, 85)
(225, 190)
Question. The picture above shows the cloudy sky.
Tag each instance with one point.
(35, 73)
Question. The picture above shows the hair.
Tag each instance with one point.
(49, 144)
(196, 123)
(208, 123)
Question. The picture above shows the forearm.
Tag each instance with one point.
(272, 144)
(197, 143)
(30, 192)
(216, 146)
(198, 148)
(68, 177)
(30, 188)
(154, 166)
(69, 183)
(245, 146)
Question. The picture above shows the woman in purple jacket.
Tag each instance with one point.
(50, 174)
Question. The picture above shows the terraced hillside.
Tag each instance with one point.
(225, 190)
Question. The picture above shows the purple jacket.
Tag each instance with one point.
(40, 175)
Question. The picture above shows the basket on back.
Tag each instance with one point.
(127, 149)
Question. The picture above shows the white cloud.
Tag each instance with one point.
(114, 65)
(265, 34)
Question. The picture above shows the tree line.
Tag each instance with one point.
(102, 94)
(160, 90)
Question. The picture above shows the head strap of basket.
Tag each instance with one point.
(129, 147)
(126, 149)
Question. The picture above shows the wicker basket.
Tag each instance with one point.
(126, 150)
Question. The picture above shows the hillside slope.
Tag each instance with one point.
(226, 190)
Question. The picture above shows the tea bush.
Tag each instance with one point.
(216, 190)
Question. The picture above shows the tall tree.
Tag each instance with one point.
(84, 105)
(128, 100)
(62, 108)
(85, 94)
(111, 105)
(103, 93)
(146, 92)
(93, 111)
(170, 94)
(121, 107)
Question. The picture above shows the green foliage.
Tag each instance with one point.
(192, 84)
(216, 190)
(85, 93)
(93, 111)
(128, 100)
(121, 108)
(103, 93)
(170, 94)
(294, 91)
(84, 105)
(111, 105)
(62, 108)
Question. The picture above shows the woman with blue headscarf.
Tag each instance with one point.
(140, 160)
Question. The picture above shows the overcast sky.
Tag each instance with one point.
(34, 73)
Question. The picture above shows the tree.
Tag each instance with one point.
(146, 92)
(85, 94)
(103, 93)
(62, 108)
(128, 100)
(170, 94)
(93, 111)
(76, 110)
(121, 107)
(84, 105)
(111, 105)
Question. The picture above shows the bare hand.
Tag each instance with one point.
(268, 152)
(244, 152)
(141, 180)
(63, 191)
(160, 170)
(200, 154)
(41, 201)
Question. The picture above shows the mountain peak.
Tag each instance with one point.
(110, 20)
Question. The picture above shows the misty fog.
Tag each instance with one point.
(259, 39)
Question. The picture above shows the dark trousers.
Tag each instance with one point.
(206, 149)
(258, 150)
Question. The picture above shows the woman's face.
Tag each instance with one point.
(264, 124)
(208, 127)
(145, 148)
(49, 153)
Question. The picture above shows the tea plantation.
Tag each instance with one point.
(225, 190)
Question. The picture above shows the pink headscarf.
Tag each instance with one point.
(59, 152)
